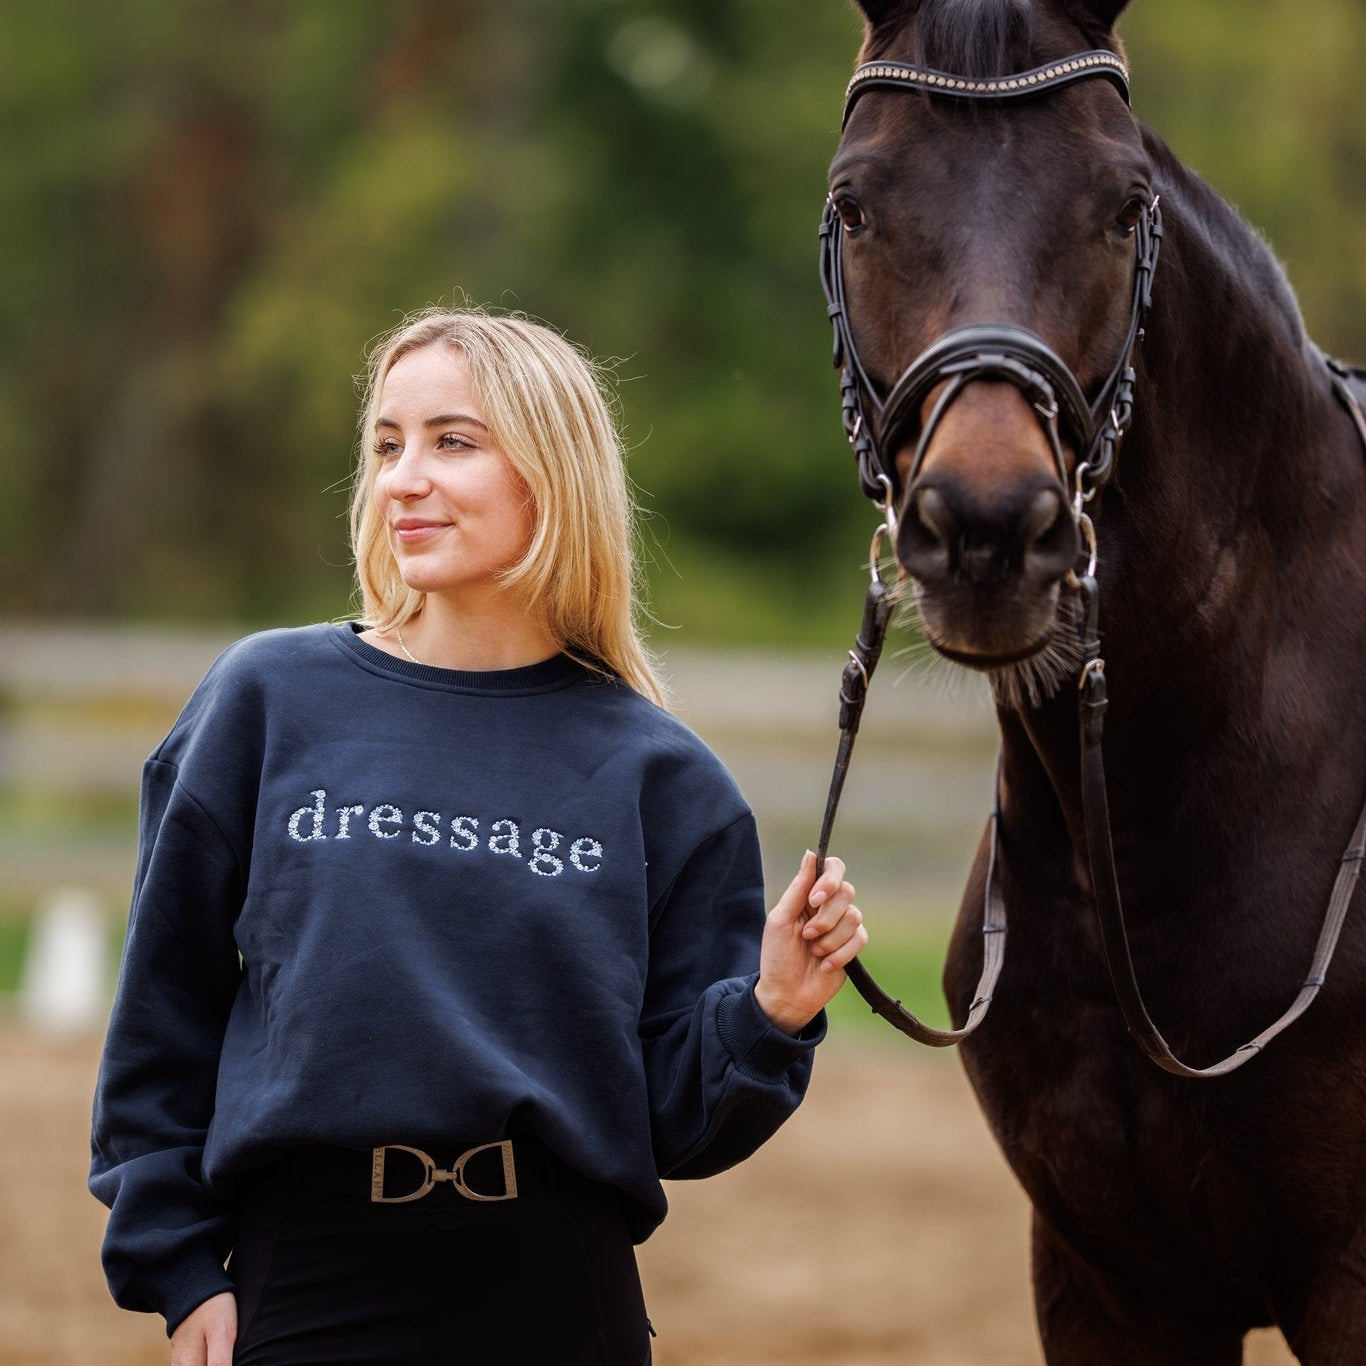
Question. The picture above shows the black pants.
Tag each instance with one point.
(329, 1279)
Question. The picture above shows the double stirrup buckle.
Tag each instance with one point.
(432, 1173)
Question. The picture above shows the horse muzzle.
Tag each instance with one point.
(988, 576)
(986, 530)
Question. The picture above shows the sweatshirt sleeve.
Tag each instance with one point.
(168, 1234)
(721, 1078)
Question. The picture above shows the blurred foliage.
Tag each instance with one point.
(211, 205)
(14, 937)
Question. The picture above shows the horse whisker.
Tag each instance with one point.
(1030, 682)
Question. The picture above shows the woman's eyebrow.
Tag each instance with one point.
(443, 420)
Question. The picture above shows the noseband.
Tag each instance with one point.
(873, 424)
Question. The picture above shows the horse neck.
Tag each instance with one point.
(1242, 472)
(1227, 362)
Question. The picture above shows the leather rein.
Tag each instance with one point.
(1094, 429)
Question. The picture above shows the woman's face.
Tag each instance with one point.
(456, 511)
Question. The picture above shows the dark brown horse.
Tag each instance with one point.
(996, 211)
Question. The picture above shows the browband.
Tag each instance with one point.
(902, 76)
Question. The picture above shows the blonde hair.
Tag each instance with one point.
(549, 411)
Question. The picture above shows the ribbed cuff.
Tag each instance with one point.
(177, 1295)
(757, 1046)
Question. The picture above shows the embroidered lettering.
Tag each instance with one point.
(384, 814)
(464, 833)
(586, 855)
(427, 827)
(544, 853)
(344, 814)
(542, 862)
(505, 838)
(314, 814)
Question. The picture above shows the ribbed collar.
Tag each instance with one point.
(545, 676)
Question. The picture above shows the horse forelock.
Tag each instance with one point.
(974, 37)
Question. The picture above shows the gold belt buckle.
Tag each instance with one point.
(432, 1173)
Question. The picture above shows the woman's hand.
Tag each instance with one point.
(810, 936)
(205, 1337)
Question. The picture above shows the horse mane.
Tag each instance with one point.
(974, 37)
(1215, 228)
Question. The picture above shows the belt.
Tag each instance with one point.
(431, 1173)
(398, 1173)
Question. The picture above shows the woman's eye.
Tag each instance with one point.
(849, 212)
(385, 448)
(450, 441)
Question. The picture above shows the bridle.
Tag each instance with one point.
(1003, 351)
(875, 426)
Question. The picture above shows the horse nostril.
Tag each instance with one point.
(928, 530)
(1048, 536)
(945, 533)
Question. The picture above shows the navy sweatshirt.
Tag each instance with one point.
(378, 902)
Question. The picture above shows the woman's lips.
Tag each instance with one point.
(412, 532)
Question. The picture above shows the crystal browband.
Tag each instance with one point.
(900, 74)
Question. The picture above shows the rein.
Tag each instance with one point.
(1007, 352)
(858, 673)
(1105, 880)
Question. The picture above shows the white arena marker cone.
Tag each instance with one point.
(65, 982)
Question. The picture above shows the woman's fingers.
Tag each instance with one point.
(830, 901)
(845, 940)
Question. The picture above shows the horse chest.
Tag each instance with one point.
(1168, 1176)
(1135, 1169)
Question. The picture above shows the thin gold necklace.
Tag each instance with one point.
(402, 646)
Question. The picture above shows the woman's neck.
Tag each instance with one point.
(475, 642)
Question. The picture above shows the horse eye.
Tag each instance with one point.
(850, 214)
(1129, 215)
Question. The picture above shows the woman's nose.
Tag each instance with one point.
(406, 477)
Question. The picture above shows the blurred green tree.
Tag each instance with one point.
(210, 206)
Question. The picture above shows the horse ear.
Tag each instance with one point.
(880, 11)
(1103, 12)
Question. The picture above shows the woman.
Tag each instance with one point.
(444, 936)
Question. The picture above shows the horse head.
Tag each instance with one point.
(990, 232)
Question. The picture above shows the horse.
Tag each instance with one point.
(1125, 485)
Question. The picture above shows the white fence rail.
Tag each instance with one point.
(81, 706)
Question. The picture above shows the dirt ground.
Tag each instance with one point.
(879, 1227)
